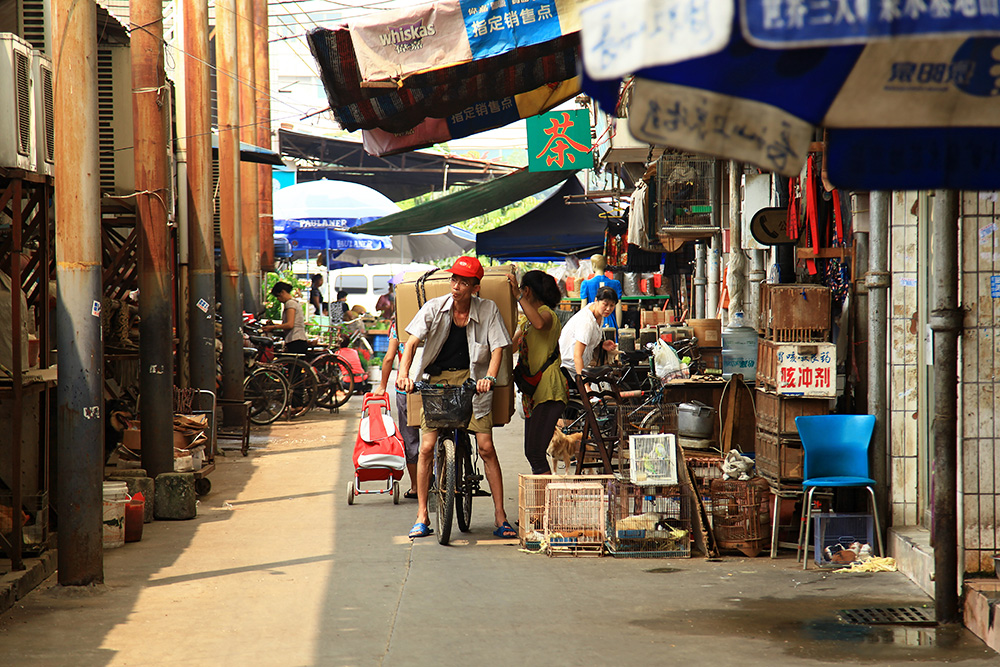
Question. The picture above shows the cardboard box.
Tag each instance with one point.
(708, 332)
(652, 318)
(503, 406)
(494, 286)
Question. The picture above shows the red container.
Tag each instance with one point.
(133, 518)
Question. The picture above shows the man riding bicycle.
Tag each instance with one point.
(463, 337)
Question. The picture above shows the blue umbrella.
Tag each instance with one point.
(907, 96)
(316, 215)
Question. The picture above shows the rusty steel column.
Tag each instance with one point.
(249, 208)
(262, 78)
(201, 231)
(79, 422)
(227, 93)
(156, 362)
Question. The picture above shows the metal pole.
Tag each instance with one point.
(156, 362)
(757, 276)
(700, 279)
(16, 376)
(715, 247)
(736, 279)
(249, 208)
(227, 93)
(860, 351)
(877, 279)
(183, 361)
(262, 77)
(201, 232)
(946, 323)
(79, 421)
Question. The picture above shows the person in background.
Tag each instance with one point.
(292, 320)
(589, 288)
(582, 335)
(338, 308)
(411, 434)
(537, 341)
(315, 295)
(465, 336)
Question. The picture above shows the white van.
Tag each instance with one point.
(363, 284)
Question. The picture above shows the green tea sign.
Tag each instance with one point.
(560, 140)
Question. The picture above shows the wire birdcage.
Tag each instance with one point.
(684, 186)
(575, 518)
(531, 503)
(648, 521)
(741, 514)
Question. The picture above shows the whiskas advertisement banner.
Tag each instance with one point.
(396, 43)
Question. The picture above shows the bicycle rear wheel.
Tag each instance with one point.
(465, 483)
(303, 385)
(444, 470)
(336, 382)
(267, 391)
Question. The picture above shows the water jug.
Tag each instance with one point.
(739, 349)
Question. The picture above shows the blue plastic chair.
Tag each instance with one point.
(836, 455)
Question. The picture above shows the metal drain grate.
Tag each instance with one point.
(888, 616)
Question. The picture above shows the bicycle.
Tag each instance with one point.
(303, 382)
(267, 390)
(455, 466)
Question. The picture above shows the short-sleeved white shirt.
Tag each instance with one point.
(582, 327)
(485, 333)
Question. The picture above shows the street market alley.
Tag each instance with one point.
(277, 569)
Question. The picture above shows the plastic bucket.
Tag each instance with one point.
(115, 498)
(134, 510)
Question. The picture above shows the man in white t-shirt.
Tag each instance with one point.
(582, 334)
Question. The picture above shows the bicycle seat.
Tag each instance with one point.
(599, 372)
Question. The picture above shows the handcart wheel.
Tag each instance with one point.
(395, 493)
(350, 493)
(202, 486)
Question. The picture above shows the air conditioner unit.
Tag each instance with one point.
(17, 122)
(35, 24)
(114, 119)
(41, 75)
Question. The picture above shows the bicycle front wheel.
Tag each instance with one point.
(444, 469)
(335, 379)
(465, 483)
(267, 391)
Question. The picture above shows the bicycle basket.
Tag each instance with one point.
(448, 405)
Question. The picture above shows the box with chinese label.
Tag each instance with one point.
(798, 369)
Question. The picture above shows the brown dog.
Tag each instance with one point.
(563, 447)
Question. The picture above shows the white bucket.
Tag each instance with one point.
(115, 498)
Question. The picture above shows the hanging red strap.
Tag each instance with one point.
(792, 224)
(812, 211)
(838, 217)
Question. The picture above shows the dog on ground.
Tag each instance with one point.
(563, 447)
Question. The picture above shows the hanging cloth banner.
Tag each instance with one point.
(474, 118)
(400, 42)
(777, 25)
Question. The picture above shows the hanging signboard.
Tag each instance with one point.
(560, 140)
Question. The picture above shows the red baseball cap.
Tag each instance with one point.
(468, 267)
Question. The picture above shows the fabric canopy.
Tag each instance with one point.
(549, 230)
(466, 204)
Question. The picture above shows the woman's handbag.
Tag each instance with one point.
(526, 382)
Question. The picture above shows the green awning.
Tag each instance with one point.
(465, 204)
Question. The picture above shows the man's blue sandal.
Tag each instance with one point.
(505, 531)
(420, 530)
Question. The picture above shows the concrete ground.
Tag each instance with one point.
(278, 570)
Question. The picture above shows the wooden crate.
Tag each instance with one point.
(813, 368)
(776, 414)
(794, 313)
(780, 459)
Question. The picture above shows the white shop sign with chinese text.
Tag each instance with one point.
(806, 370)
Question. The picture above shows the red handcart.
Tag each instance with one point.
(378, 452)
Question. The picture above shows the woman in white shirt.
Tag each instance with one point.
(582, 334)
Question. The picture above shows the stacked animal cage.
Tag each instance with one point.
(682, 198)
(531, 504)
(740, 514)
(648, 521)
(575, 518)
(645, 416)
